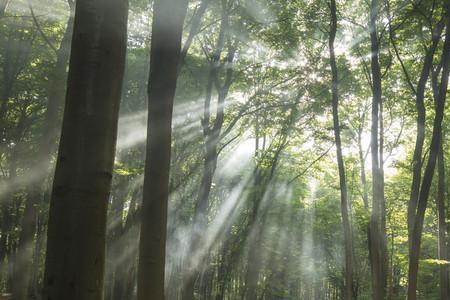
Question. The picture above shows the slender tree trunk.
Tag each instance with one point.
(255, 226)
(254, 231)
(362, 162)
(167, 28)
(200, 219)
(383, 238)
(348, 239)
(211, 137)
(7, 239)
(75, 259)
(125, 267)
(24, 257)
(442, 246)
(115, 232)
(263, 179)
(195, 26)
(376, 230)
(420, 129)
(440, 202)
(254, 260)
(416, 236)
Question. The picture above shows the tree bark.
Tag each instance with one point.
(420, 129)
(167, 28)
(416, 236)
(348, 239)
(442, 226)
(377, 258)
(75, 258)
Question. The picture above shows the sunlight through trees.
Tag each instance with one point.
(224, 149)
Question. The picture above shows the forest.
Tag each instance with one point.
(224, 149)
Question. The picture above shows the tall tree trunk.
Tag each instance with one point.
(7, 238)
(416, 236)
(362, 162)
(200, 222)
(254, 231)
(125, 268)
(254, 259)
(420, 128)
(440, 201)
(383, 237)
(24, 256)
(46, 145)
(211, 137)
(442, 246)
(167, 28)
(75, 258)
(254, 234)
(348, 239)
(376, 231)
(115, 232)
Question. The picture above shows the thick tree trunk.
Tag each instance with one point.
(377, 258)
(74, 266)
(167, 27)
(416, 236)
(348, 238)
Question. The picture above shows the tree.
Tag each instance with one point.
(348, 243)
(77, 223)
(167, 28)
(440, 201)
(377, 231)
(211, 135)
(416, 236)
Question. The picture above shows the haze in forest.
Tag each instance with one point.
(224, 149)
